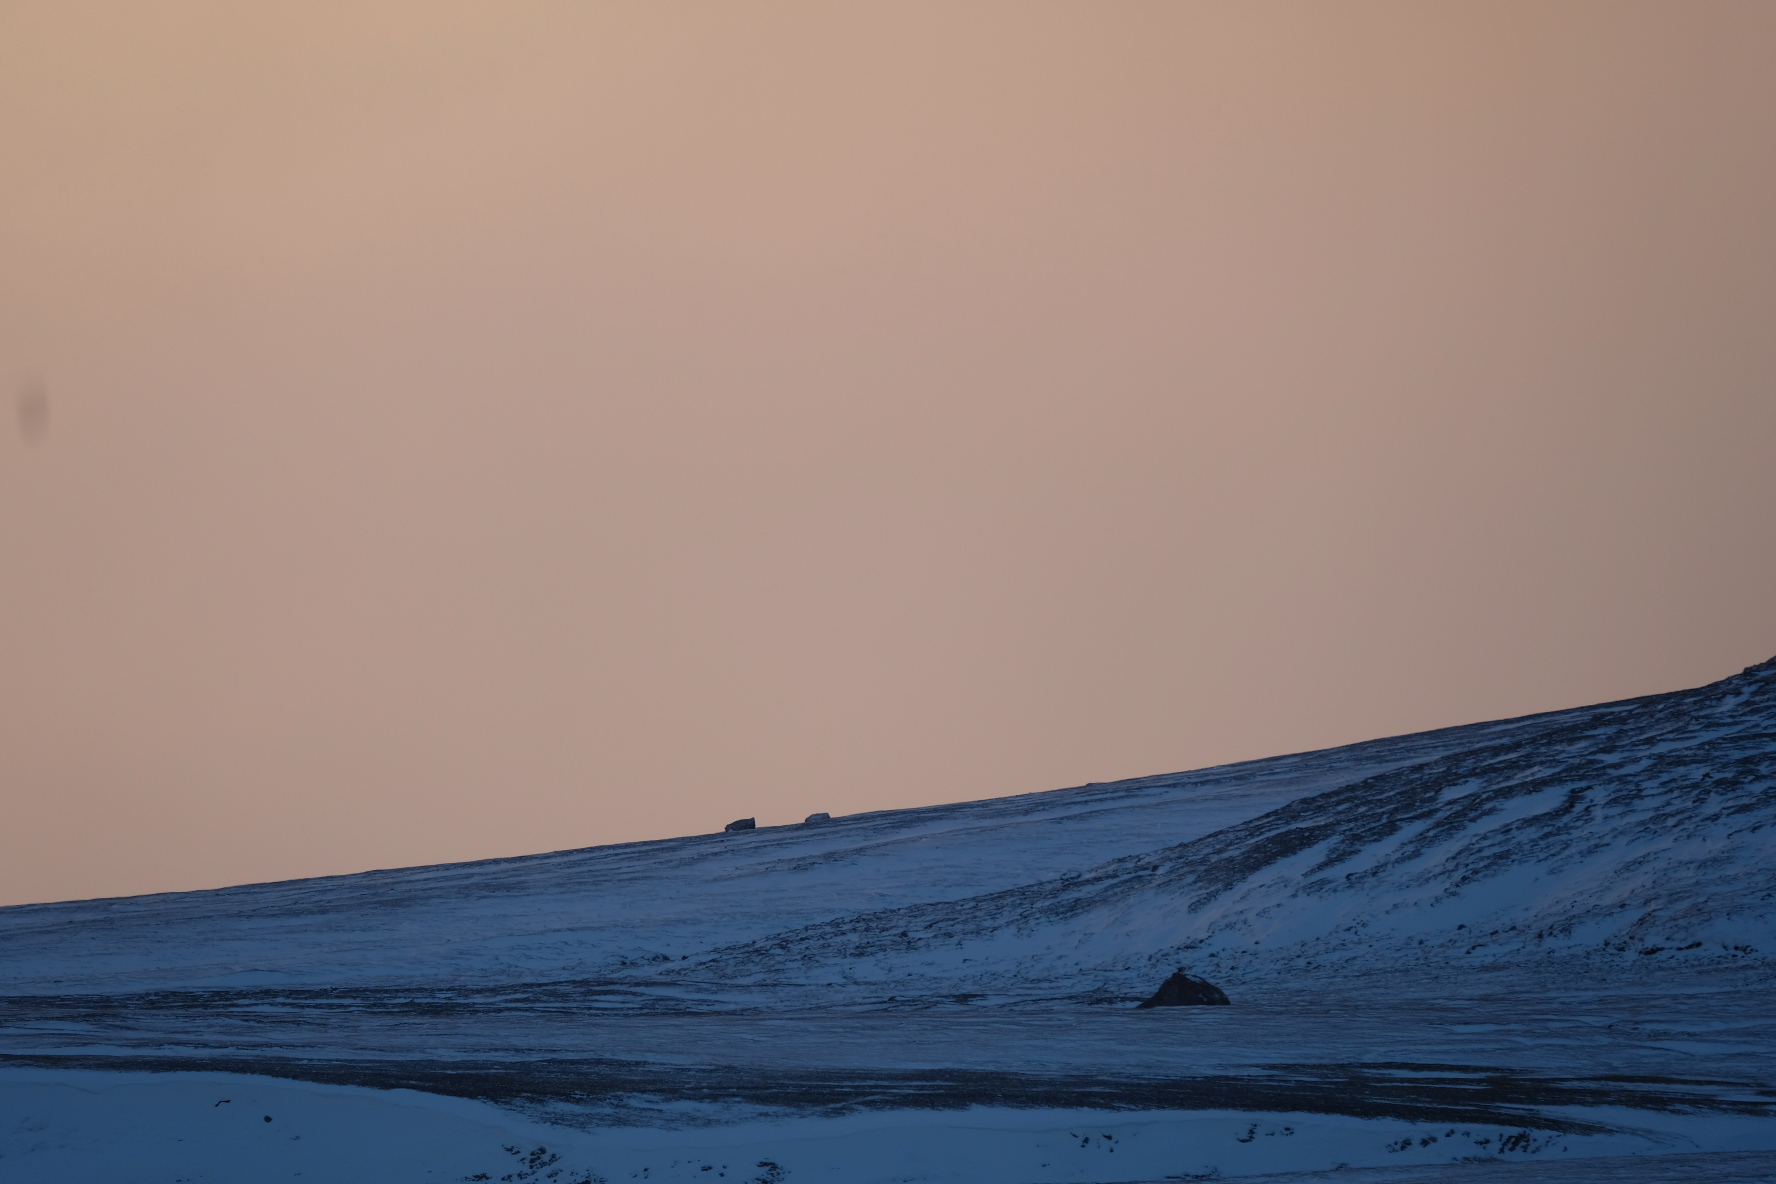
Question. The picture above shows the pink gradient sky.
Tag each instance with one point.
(476, 429)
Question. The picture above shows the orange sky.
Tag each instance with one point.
(454, 430)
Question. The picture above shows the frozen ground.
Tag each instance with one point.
(72, 1125)
(66, 1125)
(1541, 942)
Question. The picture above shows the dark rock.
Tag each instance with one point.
(742, 824)
(816, 818)
(1183, 990)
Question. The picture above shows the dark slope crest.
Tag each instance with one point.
(1626, 835)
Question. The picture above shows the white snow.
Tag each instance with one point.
(140, 1128)
(1553, 934)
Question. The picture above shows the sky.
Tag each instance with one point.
(448, 430)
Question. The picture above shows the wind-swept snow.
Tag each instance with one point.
(606, 910)
(1555, 931)
(1596, 841)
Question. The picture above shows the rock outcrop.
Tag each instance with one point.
(742, 824)
(1184, 990)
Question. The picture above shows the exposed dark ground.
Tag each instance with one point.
(1507, 1057)
(1461, 1094)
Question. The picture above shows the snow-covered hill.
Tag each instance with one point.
(1464, 944)
(1597, 839)
(1613, 835)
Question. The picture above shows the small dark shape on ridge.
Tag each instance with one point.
(817, 818)
(742, 824)
(1183, 990)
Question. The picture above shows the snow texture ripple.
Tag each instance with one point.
(1543, 939)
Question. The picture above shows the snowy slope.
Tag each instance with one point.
(1539, 940)
(604, 911)
(1608, 840)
